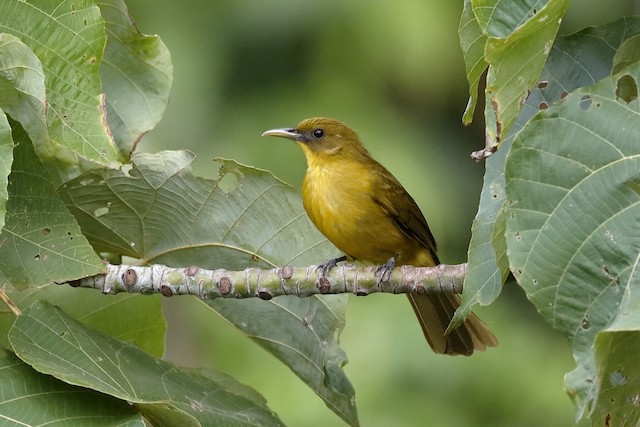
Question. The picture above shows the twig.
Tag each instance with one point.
(12, 306)
(266, 284)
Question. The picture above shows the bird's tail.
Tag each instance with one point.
(435, 311)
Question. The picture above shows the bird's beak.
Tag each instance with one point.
(288, 133)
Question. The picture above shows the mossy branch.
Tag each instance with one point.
(266, 284)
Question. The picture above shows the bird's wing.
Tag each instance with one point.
(404, 211)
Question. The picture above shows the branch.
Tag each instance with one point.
(266, 284)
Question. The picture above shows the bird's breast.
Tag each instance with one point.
(338, 199)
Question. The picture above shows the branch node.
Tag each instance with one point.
(286, 272)
(224, 284)
(166, 291)
(129, 278)
(323, 285)
(265, 295)
(74, 283)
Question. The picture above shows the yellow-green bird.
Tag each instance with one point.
(366, 213)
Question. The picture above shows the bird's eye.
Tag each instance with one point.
(318, 133)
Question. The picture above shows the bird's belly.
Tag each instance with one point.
(356, 225)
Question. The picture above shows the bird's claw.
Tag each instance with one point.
(324, 268)
(383, 273)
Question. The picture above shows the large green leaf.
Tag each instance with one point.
(22, 88)
(159, 212)
(573, 229)
(618, 378)
(517, 38)
(128, 317)
(6, 160)
(41, 241)
(575, 60)
(136, 75)
(30, 398)
(302, 332)
(472, 42)
(55, 344)
(68, 37)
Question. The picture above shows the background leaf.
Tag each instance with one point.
(572, 227)
(136, 76)
(159, 212)
(618, 379)
(31, 398)
(575, 60)
(81, 356)
(303, 333)
(6, 159)
(22, 95)
(520, 35)
(472, 42)
(128, 317)
(69, 39)
(41, 241)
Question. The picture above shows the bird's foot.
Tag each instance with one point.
(324, 268)
(383, 273)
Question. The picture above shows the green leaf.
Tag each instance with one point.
(136, 75)
(22, 87)
(592, 49)
(68, 37)
(55, 344)
(520, 36)
(488, 265)
(627, 54)
(6, 159)
(127, 317)
(500, 19)
(31, 398)
(41, 241)
(303, 333)
(618, 378)
(472, 42)
(159, 212)
(573, 232)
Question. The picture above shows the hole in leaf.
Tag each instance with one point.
(46, 231)
(627, 89)
(542, 84)
(543, 106)
(634, 399)
(228, 182)
(100, 211)
(564, 94)
(585, 102)
(617, 378)
(37, 257)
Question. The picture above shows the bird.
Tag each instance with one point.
(368, 215)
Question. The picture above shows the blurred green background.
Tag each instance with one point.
(393, 71)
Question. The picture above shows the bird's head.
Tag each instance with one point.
(323, 138)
